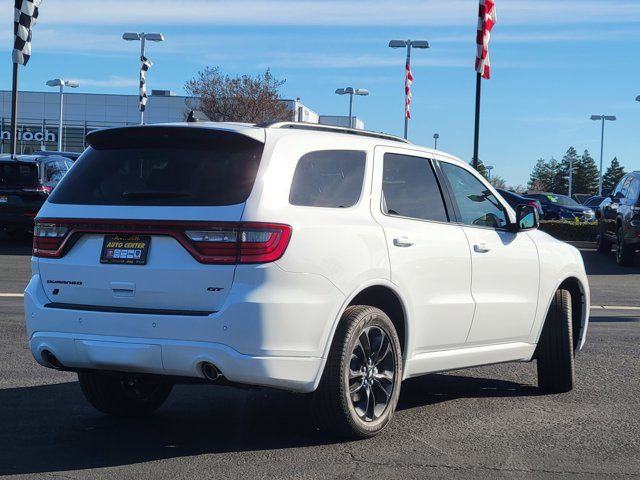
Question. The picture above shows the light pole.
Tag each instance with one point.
(59, 82)
(603, 118)
(489, 168)
(142, 36)
(408, 44)
(351, 92)
(436, 136)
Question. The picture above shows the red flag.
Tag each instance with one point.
(407, 90)
(486, 20)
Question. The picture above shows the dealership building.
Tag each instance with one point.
(39, 114)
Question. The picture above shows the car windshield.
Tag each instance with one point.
(561, 200)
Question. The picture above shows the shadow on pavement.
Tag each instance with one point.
(51, 428)
(614, 319)
(605, 264)
(18, 245)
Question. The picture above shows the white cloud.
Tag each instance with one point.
(111, 82)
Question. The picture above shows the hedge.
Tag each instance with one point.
(570, 231)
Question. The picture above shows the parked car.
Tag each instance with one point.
(594, 202)
(561, 207)
(313, 259)
(514, 199)
(73, 156)
(619, 220)
(25, 185)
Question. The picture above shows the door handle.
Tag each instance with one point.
(402, 242)
(481, 248)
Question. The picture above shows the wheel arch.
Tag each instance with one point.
(579, 309)
(384, 295)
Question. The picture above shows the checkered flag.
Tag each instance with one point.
(145, 65)
(25, 17)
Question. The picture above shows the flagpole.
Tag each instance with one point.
(14, 112)
(476, 137)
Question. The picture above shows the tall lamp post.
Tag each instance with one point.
(351, 92)
(408, 44)
(143, 37)
(59, 82)
(603, 118)
(436, 136)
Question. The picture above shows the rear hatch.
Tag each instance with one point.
(21, 194)
(149, 218)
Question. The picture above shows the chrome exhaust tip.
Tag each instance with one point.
(211, 372)
(51, 360)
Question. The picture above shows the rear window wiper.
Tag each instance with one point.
(153, 194)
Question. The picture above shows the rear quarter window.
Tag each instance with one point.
(328, 178)
(162, 166)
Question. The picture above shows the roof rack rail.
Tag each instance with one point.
(332, 129)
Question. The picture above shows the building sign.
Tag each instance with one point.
(29, 136)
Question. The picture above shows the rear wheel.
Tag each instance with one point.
(360, 386)
(624, 254)
(123, 396)
(602, 244)
(555, 358)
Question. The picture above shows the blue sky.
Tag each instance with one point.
(555, 63)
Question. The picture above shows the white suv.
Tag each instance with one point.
(306, 258)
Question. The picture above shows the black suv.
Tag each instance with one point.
(619, 220)
(25, 184)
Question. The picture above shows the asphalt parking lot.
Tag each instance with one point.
(488, 422)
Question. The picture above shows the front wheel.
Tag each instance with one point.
(360, 386)
(603, 245)
(126, 396)
(624, 255)
(556, 370)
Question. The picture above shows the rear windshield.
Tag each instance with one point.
(162, 166)
(15, 174)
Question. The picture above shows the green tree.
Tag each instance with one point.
(559, 172)
(541, 177)
(612, 175)
(585, 175)
(481, 168)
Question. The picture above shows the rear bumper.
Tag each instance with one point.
(166, 357)
(271, 332)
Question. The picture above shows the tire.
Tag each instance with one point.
(624, 255)
(555, 355)
(342, 403)
(123, 396)
(603, 245)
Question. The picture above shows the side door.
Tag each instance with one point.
(613, 207)
(505, 264)
(429, 255)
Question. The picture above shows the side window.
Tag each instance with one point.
(410, 188)
(54, 170)
(328, 178)
(477, 205)
(621, 187)
(634, 190)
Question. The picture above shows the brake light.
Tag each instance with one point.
(249, 243)
(39, 189)
(48, 238)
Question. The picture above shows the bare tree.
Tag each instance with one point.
(237, 99)
(498, 182)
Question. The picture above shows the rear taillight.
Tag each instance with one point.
(211, 243)
(248, 243)
(40, 189)
(48, 239)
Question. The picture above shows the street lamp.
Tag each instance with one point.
(408, 44)
(142, 36)
(489, 168)
(351, 92)
(59, 82)
(603, 118)
(436, 136)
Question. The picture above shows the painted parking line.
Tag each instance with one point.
(11, 295)
(615, 307)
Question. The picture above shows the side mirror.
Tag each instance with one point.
(526, 218)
